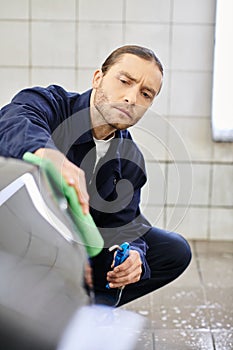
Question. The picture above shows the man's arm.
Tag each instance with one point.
(26, 125)
(29, 120)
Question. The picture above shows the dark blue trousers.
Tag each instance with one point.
(168, 256)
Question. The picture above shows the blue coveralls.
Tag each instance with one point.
(54, 118)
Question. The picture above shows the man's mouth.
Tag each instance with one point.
(124, 111)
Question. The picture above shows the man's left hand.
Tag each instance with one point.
(127, 272)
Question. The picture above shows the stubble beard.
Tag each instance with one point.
(103, 106)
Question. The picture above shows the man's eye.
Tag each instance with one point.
(146, 95)
(123, 81)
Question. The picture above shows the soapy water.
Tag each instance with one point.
(96, 327)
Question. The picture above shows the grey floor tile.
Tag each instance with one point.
(182, 296)
(223, 340)
(181, 318)
(190, 277)
(183, 340)
(217, 271)
(145, 341)
(173, 308)
(219, 248)
(180, 308)
(143, 307)
(220, 307)
(195, 311)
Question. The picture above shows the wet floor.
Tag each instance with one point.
(196, 310)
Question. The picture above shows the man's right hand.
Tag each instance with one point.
(72, 174)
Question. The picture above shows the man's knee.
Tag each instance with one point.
(182, 253)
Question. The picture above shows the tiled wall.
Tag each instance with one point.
(63, 41)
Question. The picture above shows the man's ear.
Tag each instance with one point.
(97, 77)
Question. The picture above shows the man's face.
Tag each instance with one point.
(126, 91)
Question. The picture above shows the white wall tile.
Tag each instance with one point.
(59, 43)
(191, 93)
(53, 44)
(222, 185)
(191, 222)
(188, 184)
(153, 36)
(153, 193)
(160, 104)
(154, 214)
(190, 139)
(223, 151)
(48, 76)
(194, 11)
(201, 180)
(148, 11)
(221, 224)
(14, 9)
(84, 81)
(14, 43)
(150, 133)
(178, 149)
(106, 10)
(50, 9)
(192, 47)
(96, 41)
(15, 79)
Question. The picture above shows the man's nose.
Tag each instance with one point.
(131, 96)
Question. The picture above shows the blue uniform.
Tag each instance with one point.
(54, 118)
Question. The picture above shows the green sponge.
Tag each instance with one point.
(84, 224)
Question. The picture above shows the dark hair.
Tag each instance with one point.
(139, 51)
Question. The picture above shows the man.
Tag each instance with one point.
(86, 137)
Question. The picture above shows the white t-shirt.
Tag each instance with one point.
(102, 147)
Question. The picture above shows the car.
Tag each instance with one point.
(42, 258)
(45, 246)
